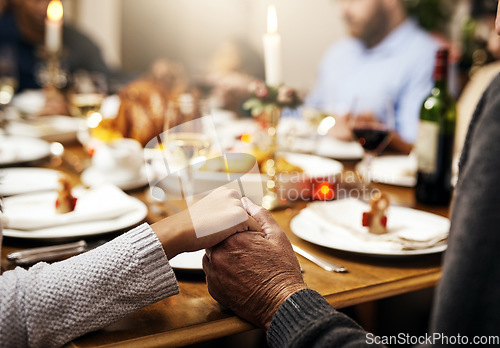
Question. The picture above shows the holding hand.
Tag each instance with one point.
(221, 212)
(252, 273)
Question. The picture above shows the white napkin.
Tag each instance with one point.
(408, 229)
(37, 211)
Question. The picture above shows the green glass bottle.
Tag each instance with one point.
(435, 141)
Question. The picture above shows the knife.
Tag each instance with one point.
(50, 253)
(326, 265)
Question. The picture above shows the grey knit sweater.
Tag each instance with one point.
(467, 300)
(49, 305)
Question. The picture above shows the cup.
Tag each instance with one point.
(120, 160)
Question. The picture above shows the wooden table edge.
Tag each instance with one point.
(234, 325)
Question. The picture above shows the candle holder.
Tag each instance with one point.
(51, 75)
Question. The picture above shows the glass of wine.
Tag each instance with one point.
(373, 132)
(8, 81)
(187, 137)
(86, 93)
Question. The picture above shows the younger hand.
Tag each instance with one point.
(221, 213)
(253, 273)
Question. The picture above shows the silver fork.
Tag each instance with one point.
(326, 265)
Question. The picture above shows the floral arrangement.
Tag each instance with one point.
(263, 98)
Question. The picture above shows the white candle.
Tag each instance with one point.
(272, 49)
(53, 26)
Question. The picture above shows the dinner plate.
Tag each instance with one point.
(15, 149)
(14, 181)
(338, 149)
(188, 261)
(85, 229)
(63, 129)
(341, 236)
(394, 170)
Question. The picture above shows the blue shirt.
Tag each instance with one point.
(398, 71)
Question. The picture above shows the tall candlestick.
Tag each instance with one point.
(53, 26)
(272, 49)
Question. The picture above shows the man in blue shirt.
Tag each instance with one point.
(388, 60)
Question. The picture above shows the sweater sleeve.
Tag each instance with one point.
(306, 319)
(48, 305)
(467, 299)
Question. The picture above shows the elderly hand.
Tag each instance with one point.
(252, 273)
(221, 214)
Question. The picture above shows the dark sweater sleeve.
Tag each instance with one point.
(306, 319)
(467, 299)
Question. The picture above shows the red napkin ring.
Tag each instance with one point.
(383, 221)
(367, 219)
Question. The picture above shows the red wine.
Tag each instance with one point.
(371, 138)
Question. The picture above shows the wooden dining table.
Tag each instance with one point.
(194, 316)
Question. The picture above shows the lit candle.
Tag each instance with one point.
(272, 49)
(53, 26)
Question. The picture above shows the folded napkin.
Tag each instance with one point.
(37, 211)
(408, 229)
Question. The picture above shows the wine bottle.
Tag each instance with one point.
(434, 145)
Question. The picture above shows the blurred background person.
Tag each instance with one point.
(22, 26)
(388, 58)
(232, 68)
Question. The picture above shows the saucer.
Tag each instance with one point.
(92, 177)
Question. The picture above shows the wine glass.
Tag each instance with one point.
(373, 130)
(86, 93)
(187, 137)
(8, 81)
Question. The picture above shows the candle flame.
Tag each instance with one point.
(272, 20)
(55, 10)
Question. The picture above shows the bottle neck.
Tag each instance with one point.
(441, 70)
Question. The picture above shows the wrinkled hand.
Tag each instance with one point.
(221, 212)
(253, 273)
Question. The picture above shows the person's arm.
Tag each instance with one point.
(48, 305)
(409, 101)
(257, 275)
(467, 301)
(306, 319)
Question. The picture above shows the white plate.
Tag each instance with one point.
(14, 181)
(338, 149)
(189, 261)
(395, 170)
(308, 227)
(85, 229)
(50, 128)
(92, 177)
(15, 150)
